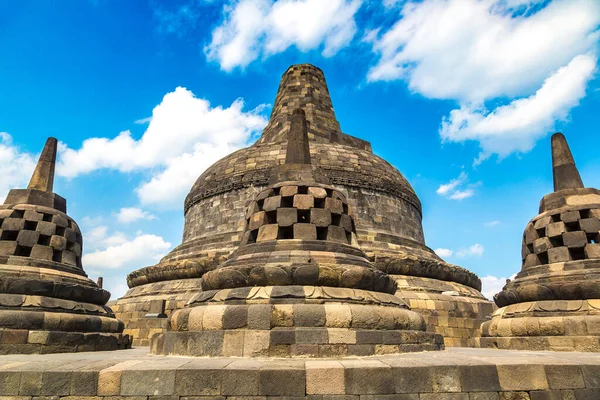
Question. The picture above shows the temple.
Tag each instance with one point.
(554, 302)
(47, 302)
(385, 210)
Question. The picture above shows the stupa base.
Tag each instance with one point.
(294, 342)
(548, 343)
(23, 341)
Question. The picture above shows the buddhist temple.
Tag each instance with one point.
(384, 208)
(47, 302)
(554, 302)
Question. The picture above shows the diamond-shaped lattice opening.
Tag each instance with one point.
(47, 217)
(541, 232)
(577, 254)
(60, 231)
(23, 251)
(556, 218)
(285, 232)
(17, 214)
(319, 203)
(44, 240)
(556, 241)
(584, 213)
(336, 219)
(303, 189)
(30, 225)
(304, 216)
(321, 233)
(543, 258)
(571, 226)
(9, 235)
(57, 255)
(272, 217)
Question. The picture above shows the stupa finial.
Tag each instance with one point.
(298, 150)
(564, 171)
(43, 175)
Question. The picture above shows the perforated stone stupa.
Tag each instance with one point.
(298, 285)
(554, 302)
(47, 302)
(386, 211)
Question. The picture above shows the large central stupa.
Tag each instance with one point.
(386, 211)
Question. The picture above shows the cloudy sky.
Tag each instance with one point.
(460, 95)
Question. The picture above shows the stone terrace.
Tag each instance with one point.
(454, 374)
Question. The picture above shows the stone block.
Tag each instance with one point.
(252, 208)
(368, 378)
(259, 316)
(559, 254)
(288, 191)
(555, 229)
(240, 382)
(590, 225)
(480, 378)
(317, 192)
(287, 380)
(542, 222)
(256, 343)
(592, 250)
(272, 203)
(236, 316)
(13, 224)
(570, 216)
(28, 238)
(8, 247)
(257, 220)
(305, 231)
(522, 377)
(311, 336)
(31, 215)
(197, 382)
(531, 260)
(58, 242)
(287, 216)
(69, 257)
(337, 234)
(304, 201)
(325, 378)
(267, 232)
(346, 222)
(309, 315)
(46, 228)
(43, 252)
(57, 383)
(577, 239)
(564, 377)
(84, 383)
(541, 245)
(334, 205)
(320, 217)
(233, 343)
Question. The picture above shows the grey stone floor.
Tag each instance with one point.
(456, 373)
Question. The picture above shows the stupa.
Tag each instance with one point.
(387, 215)
(554, 302)
(47, 302)
(298, 285)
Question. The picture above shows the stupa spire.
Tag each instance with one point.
(564, 171)
(298, 150)
(43, 175)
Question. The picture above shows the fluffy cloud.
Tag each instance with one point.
(16, 167)
(255, 28)
(457, 189)
(139, 252)
(517, 125)
(475, 250)
(490, 285)
(185, 135)
(131, 214)
(443, 252)
(526, 57)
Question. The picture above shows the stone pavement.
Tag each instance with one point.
(454, 374)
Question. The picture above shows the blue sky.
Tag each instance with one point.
(460, 95)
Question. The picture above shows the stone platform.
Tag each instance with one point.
(454, 374)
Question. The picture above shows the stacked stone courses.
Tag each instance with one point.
(386, 211)
(47, 303)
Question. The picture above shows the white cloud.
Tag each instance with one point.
(479, 51)
(490, 285)
(139, 252)
(185, 136)
(491, 224)
(457, 189)
(132, 214)
(517, 126)
(475, 250)
(443, 252)
(254, 28)
(16, 166)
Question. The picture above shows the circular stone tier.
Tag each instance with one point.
(290, 321)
